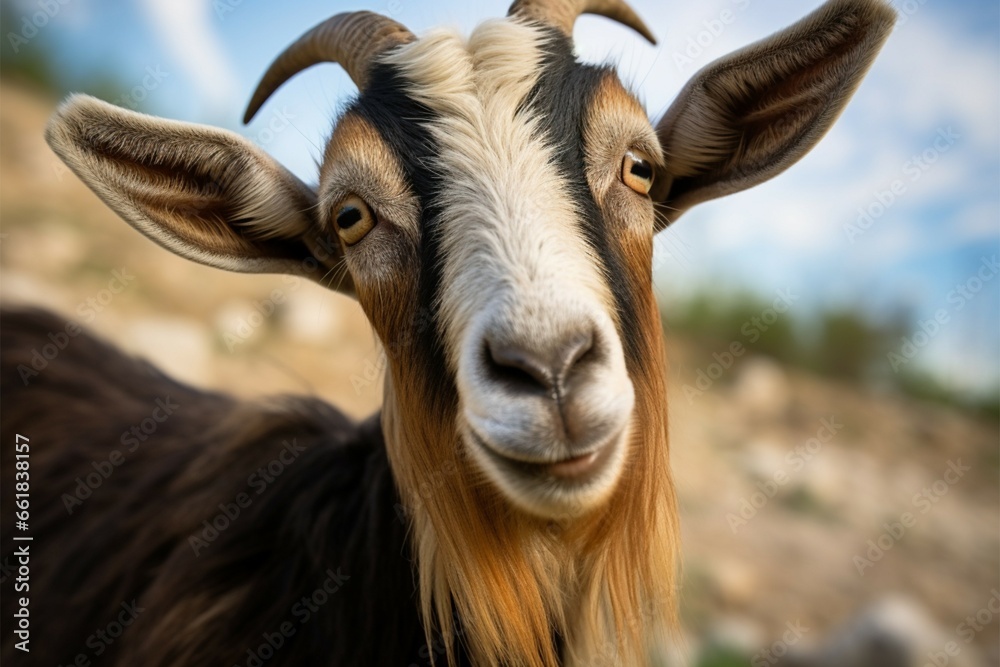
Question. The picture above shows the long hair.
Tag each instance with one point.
(512, 588)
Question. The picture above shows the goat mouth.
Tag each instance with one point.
(578, 468)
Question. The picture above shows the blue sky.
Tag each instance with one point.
(934, 92)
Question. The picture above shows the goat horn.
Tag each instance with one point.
(563, 13)
(353, 40)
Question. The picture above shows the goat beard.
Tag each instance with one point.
(515, 587)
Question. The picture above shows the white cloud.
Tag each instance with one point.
(185, 26)
(978, 223)
(932, 73)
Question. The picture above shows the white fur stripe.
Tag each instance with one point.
(509, 234)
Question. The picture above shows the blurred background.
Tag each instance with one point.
(834, 335)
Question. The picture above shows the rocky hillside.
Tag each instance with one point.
(817, 517)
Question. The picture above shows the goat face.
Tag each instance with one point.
(498, 202)
(495, 202)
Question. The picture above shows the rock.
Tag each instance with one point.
(763, 457)
(47, 247)
(735, 581)
(239, 324)
(180, 347)
(60, 246)
(738, 634)
(894, 632)
(675, 650)
(763, 388)
(311, 315)
(21, 288)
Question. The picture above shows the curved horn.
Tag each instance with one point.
(353, 40)
(563, 13)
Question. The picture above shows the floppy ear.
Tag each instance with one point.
(206, 194)
(749, 116)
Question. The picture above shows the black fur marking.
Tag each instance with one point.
(334, 507)
(560, 100)
(405, 125)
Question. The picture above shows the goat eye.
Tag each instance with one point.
(637, 173)
(354, 219)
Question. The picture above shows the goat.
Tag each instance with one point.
(492, 204)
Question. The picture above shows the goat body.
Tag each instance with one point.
(235, 530)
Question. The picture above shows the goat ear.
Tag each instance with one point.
(206, 194)
(749, 116)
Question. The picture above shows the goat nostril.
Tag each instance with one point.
(519, 367)
(522, 367)
(578, 348)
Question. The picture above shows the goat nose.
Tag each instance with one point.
(540, 367)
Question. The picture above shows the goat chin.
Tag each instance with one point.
(232, 523)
